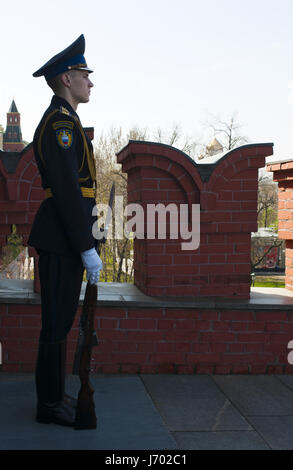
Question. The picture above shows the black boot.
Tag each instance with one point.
(50, 376)
(68, 399)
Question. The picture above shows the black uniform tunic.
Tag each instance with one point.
(63, 152)
(62, 228)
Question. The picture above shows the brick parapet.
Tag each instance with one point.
(282, 170)
(226, 191)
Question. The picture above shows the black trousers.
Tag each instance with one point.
(60, 279)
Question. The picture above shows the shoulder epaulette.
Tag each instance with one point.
(64, 111)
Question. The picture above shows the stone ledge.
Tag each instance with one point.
(277, 159)
(128, 295)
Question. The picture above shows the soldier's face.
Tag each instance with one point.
(80, 86)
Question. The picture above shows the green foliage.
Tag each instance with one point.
(269, 218)
(269, 284)
(13, 248)
(271, 280)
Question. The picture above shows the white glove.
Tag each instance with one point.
(93, 265)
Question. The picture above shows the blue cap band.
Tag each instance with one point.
(63, 66)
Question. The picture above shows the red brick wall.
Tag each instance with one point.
(219, 340)
(283, 175)
(13, 147)
(20, 197)
(228, 203)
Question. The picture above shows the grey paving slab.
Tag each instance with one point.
(127, 418)
(277, 431)
(193, 403)
(224, 440)
(158, 412)
(257, 394)
(286, 380)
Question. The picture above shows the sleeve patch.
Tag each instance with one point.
(64, 138)
(61, 124)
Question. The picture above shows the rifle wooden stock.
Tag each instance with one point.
(85, 411)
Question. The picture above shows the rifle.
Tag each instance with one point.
(87, 339)
(85, 411)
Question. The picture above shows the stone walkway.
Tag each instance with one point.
(158, 412)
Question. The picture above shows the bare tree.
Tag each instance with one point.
(176, 138)
(267, 211)
(136, 133)
(14, 260)
(227, 131)
(106, 147)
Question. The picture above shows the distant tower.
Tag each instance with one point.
(12, 139)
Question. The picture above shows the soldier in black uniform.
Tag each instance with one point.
(62, 229)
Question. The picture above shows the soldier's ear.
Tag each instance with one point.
(65, 79)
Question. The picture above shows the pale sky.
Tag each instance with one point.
(158, 62)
